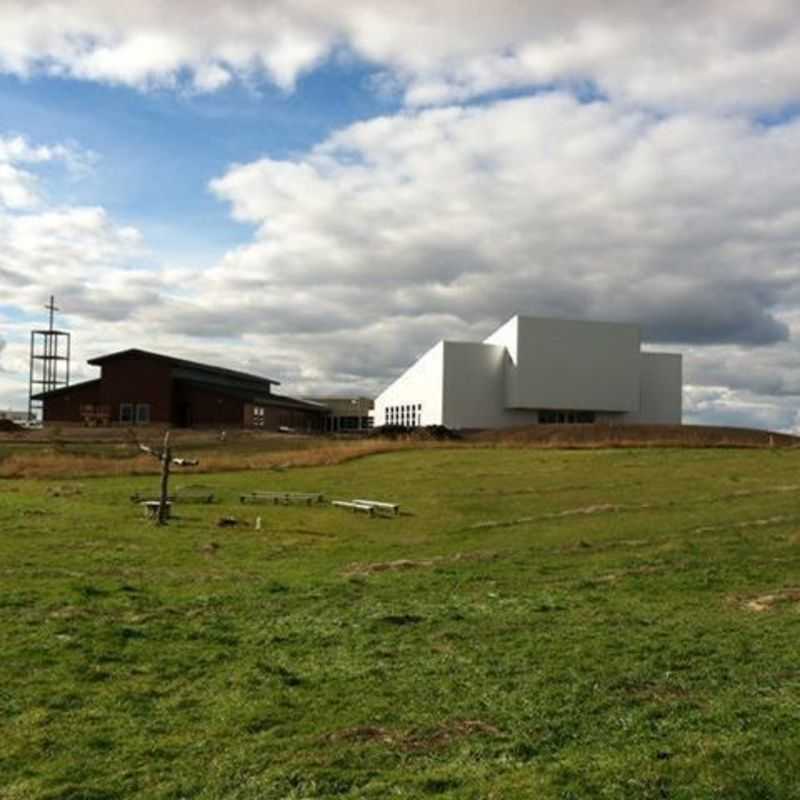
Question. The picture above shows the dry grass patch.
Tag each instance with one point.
(761, 522)
(405, 564)
(416, 740)
(46, 464)
(601, 436)
(768, 602)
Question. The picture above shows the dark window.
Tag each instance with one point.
(126, 412)
(143, 413)
(569, 417)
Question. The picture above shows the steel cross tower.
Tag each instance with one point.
(49, 361)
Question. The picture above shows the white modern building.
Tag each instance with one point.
(535, 370)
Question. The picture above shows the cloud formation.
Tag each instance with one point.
(19, 188)
(639, 181)
(542, 204)
(710, 53)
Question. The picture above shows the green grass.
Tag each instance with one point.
(529, 653)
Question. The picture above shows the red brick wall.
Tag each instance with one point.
(66, 407)
(136, 379)
(206, 406)
(276, 417)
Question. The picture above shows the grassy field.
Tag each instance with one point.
(535, 624)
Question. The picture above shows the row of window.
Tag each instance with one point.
(134, 413)
(408, 415)
(566, 417)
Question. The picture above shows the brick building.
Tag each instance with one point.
(136, 387)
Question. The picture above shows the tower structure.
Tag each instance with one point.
(49, 361)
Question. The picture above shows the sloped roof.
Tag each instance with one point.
(65, 389)
(250, 395)
(182, 362)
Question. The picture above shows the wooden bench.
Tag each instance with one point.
(354, 506)
(284, 498)
(149, 498)
(378, 505)
(151, 508)
(194, 494)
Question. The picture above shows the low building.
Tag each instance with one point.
(346, 414)
(137, 387)
(537, 370)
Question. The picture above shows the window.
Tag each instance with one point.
(143, 413)
(258, 416)
(126, 413)
(569, 417)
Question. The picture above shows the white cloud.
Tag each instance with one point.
(539, 204)
(61, 248)
(710, 53)
(398, 231)
(19, 188)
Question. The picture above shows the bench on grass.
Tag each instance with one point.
(379, 505)
(194, 494)
(283, 498)
(149, 498)
(187, 494)
(151, 508)
(353, 506)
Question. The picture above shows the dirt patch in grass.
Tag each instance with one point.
(656, 693)
(598, 508)
(768, 602)
(748, 523)
(644, 569)
(70, 612)
(64, 491)
(416, 740)
(402, 619)
(405, 564)
(582, 545)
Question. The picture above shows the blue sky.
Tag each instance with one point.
(321, 196)
(157, 151)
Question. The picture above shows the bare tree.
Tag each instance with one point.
(167, 460)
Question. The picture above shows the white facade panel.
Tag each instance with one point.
(422, 384)
(475, 387)
(532, 365)
(661, 390)
(583, 366)
(507, 336)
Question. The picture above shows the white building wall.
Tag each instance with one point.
(576, 365)
(475, 387)
(661, 390)
(422, 384)
(532, 364)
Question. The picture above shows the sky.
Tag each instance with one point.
(320, 192)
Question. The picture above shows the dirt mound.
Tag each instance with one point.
(424, 433)
(9, 426)
(635, 436)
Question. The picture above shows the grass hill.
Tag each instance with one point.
(545, 623)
